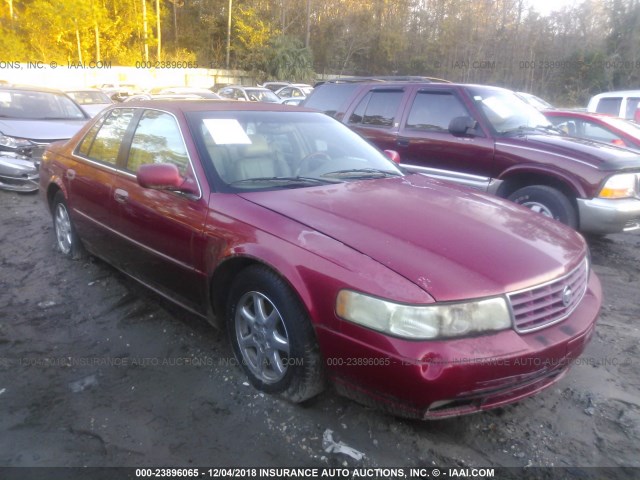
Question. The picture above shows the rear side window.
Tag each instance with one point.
(377, 108)
(609, 106)
(632, 106)
(157, 140)
(330, 98)
(103, 144)
(434, 111)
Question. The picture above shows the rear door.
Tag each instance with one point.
(90, 178)
(426, 145)
(376, 114)
(161, 231)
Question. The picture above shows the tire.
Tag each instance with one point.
(67, 240)
(272, 337)
(547, 201)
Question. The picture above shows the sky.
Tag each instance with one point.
(547, 7)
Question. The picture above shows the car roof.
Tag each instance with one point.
(29, 88)
(577, 114)
(203, 105)
(618, 93)
(82, 89)
(384, 79)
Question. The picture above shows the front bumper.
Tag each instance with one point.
(601, 215)
(18, 173)
(444, 378)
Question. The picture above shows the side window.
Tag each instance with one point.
(596, 132)
(157, 140)
(104, 147)
(632, 106)
(610, 106)
(434, 111)
(567, 125)
(377, 108)
(286, 92)
(87, 141)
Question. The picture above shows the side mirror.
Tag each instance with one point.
(164, 176)
(462, 126)
(393, 156)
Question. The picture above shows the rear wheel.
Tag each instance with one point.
(272, 337)
(67, 239)
(547, 201)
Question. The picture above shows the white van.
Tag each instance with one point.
(623, 104)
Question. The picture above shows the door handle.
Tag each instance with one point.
(120, 195)
(403, 142)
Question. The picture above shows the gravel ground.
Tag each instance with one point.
(95, 370)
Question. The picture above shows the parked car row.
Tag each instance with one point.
(270, 92)
(327, 259)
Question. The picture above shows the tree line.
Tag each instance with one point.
(565, 56)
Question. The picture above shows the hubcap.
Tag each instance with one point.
(63, 229)
(538, 208)
(262, 337)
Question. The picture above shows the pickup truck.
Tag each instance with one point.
(488, 138)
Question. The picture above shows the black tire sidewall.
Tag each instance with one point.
(77, 249)
(257, 279)
(558, 204)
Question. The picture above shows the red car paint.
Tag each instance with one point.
(407, 238)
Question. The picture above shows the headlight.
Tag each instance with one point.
(13, 143)
(619, 186)
(426, 321)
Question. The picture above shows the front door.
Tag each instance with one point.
(162, 230)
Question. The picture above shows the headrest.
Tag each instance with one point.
(257, 148)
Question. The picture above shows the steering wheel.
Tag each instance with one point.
(303, 164)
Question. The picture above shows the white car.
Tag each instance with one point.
(623, 104)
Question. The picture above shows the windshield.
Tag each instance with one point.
(34, 105)
(89, 97)
(249, 150)
(261, 95)
(506, 111)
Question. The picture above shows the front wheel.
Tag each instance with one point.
(272, 337)
(547, 201)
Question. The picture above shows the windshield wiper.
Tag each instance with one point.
(361, 173)
(290, 181)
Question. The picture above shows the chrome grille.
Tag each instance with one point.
(549, 303)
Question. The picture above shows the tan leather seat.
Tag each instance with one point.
(258, 160)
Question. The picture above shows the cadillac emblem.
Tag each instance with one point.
(567, 295)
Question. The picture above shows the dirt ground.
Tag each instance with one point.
(98, 371)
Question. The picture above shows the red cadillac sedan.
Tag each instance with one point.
(322, 258)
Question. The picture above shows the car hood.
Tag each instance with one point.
(452, 242)
(41, 131)
(600, 155)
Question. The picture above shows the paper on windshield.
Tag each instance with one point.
(226, 131)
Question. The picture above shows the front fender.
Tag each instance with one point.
(533, 170)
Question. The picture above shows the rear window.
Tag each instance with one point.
(609, 106)
(377, 108)
(329, 98)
